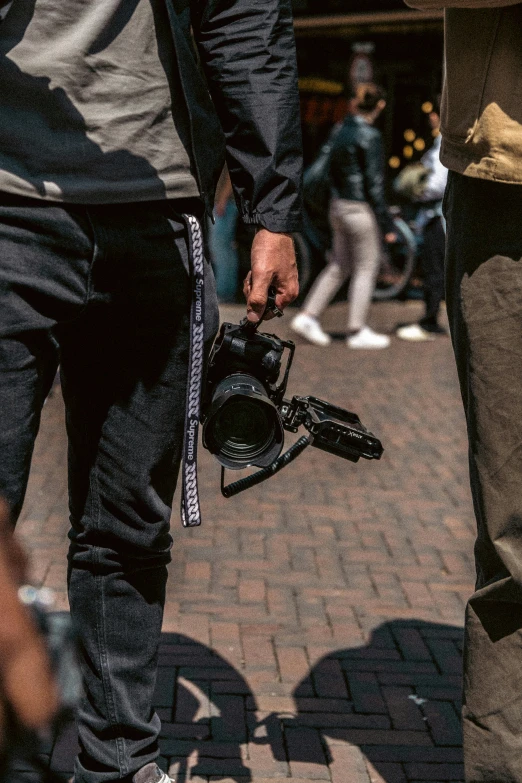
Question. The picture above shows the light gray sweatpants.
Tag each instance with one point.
(356, 251)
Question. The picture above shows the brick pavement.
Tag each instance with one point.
(313, 624)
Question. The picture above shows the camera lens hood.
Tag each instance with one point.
(243, 427)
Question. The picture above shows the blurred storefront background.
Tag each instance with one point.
(342, 42)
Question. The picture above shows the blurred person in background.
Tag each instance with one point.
(111, 143)
(28, 694)
(358, 216)
(222, 240)
(431, 222)
(482, 148)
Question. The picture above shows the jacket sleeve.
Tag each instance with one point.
(247, 50)
(373, 172)
(423, 5)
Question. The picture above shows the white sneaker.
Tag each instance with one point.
(414, 333)
(310, 329)
(367, 338)
(151, 773)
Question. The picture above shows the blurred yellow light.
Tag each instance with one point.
(409, 135)
(408, 151)
(435, 132)
(323, 86)
(419, 144)
(394, 162)
(427, 107)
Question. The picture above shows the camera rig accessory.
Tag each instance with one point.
(330, 428)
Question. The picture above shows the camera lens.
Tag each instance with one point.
(243, 427)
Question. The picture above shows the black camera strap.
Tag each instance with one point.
(190, 508)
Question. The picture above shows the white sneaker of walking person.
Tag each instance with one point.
(310, 328)
(151, 773)
(414, 333)
(366, 338)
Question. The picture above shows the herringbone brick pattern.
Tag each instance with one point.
(313, 624)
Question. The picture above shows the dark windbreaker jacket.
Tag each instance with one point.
(247, 53)
(357, 168)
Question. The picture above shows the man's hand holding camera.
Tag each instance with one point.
(273, 263)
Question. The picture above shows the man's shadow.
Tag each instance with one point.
(397, 699)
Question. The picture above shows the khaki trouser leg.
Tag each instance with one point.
(356, 252)
(484, 295)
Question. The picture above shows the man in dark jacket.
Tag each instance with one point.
(110, 148)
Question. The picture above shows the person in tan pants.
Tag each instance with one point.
(358, 217)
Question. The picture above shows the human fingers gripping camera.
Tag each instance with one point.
(273, 263)
(40, 680)
(28, 691)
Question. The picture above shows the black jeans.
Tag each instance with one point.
(433, 271)
(484, 298)
(104, 291)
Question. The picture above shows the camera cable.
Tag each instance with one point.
(281, 462)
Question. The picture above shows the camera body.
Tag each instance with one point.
(245, 411)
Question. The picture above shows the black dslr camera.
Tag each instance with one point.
(245, 412)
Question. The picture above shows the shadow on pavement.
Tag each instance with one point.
(397, 699)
